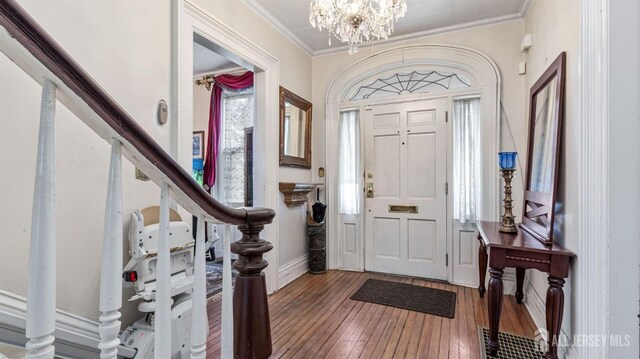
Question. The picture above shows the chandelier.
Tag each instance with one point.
(356, 21)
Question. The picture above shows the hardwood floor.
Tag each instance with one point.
(313, 317)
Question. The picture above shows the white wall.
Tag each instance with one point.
(131, 62)
(624, 167)
(201, 101)
(555, 27)
(295, 75)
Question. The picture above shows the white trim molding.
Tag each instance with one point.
(286, 32)
(268, 17)
(195, 20)
(292, 270)
(486, 80)
(76, 336)
(593, 252)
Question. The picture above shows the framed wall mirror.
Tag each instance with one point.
(546, 114)
(295, 130)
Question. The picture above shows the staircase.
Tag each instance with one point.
(62, 79)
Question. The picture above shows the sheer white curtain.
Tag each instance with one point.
(349, 163)
(466, 152)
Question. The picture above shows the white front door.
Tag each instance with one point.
(406, 171)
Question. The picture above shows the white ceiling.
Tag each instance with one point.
(206, 61)
(423, 17)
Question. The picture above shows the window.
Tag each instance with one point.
(238, 114)
(414, 82)
(349, 163)
(466, 152)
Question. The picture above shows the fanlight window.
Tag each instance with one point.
(414, 82)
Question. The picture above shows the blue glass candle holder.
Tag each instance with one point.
(507, 163)
(198, 170)
(507, 160)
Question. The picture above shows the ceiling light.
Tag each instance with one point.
(356, 21)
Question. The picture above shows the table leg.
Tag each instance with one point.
(555, 306)
(519, 284)
(495, 308)
(482, 265)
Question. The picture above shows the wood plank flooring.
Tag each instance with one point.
(313, 317)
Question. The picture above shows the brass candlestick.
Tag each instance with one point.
(508, 224)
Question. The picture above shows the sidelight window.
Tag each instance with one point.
(466, 158)
(349, 163)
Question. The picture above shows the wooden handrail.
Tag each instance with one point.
(25, 30)
(32, 49)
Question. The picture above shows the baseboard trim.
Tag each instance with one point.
(292, 270)
(76, 336)
(537, 309)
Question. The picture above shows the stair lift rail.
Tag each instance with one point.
(32, 49)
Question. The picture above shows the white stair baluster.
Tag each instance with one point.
(226, 336)
(200, 322)
(41, 294)
(163, 303)
(111, 269)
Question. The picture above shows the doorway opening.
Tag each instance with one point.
(223, 121)
(203, 40)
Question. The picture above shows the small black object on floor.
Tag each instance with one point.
(407, 296)
(511, 346)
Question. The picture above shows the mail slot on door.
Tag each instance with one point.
(402, 209)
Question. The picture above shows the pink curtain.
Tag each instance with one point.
(221, 82)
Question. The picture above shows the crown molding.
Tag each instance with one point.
(266, 15)
(439, 30)
(525, 7)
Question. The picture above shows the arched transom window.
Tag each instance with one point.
(414, 82)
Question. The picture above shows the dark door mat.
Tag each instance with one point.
(511, 346)
(406, 296)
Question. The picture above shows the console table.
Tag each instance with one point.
(521, 251)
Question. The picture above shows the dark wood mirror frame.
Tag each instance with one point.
(304, 105)
(540, 206)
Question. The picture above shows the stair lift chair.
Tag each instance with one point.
(139, 273)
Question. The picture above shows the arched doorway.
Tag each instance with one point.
(418, 73)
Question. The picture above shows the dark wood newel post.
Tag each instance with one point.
(251, 323)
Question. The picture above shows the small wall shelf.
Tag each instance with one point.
(295, 194)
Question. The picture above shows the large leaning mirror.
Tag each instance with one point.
(295, 130)
(546, 115)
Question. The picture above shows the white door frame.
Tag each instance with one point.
(188, 19)
(475, 64)
(445, 99)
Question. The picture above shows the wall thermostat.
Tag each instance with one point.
(163, 112)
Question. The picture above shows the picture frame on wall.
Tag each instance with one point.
(198, 144)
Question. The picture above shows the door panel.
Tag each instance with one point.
(422, 182)
(465, 250)
(405, 161)
(419, 248)
(425, 117)
(387, 120)
(387, 235)
(388, 163)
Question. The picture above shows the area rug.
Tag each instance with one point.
(407, 296)
(214, 278)
(511, 346)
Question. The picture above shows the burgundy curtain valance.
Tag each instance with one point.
(221, 82)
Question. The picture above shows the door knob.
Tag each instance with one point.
(370, 190)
